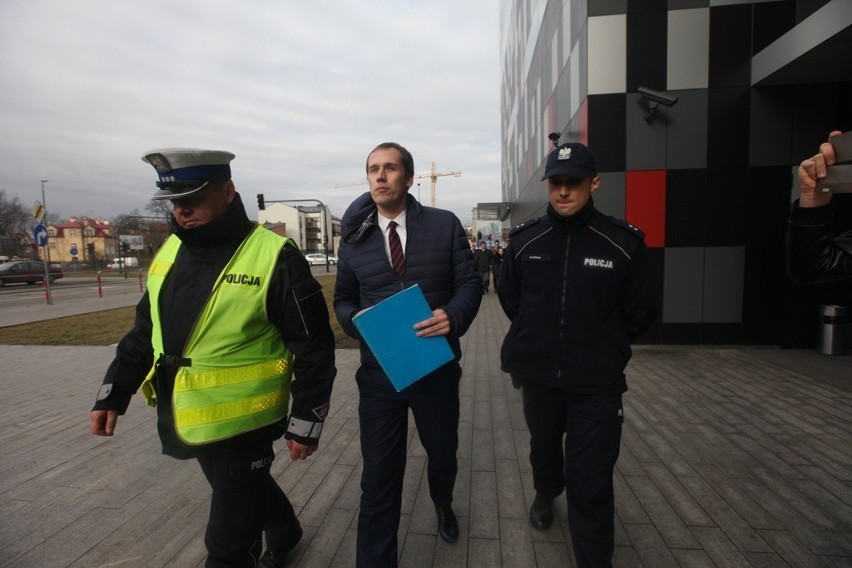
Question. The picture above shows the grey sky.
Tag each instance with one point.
(299, 91)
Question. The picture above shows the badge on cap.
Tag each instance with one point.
(159, 162)
(564, 154)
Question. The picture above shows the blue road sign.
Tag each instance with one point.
(73, 251)
(40, 234)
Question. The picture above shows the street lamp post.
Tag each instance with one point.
(46, 248)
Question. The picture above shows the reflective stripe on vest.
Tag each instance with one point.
(240, 370)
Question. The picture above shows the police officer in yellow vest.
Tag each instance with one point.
(232, 344)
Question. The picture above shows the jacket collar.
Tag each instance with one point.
(232, 225)
(579, 219)
(362, 215)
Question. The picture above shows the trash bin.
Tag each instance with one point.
(832, 319)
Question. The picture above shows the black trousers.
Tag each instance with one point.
(574, 444)
(383, 413)
(246, 502)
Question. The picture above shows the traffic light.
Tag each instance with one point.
(260, 203)
(125, 247)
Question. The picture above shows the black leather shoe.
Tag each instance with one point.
(275, 559)
(541, 513)
(448, 525)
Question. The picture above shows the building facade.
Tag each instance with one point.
(80, 239)
(753, 87)
(313, 228)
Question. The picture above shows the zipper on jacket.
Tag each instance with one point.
(564, 295)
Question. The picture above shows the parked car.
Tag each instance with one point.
(118, 263)
(319, 258)
(27, 271)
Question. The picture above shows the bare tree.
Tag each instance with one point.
(16, 223)
(153, 228)
(13, 216)
(160, 208)
(129, 222)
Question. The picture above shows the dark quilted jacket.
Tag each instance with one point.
(437, 257)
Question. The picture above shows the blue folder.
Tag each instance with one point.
(388, 330)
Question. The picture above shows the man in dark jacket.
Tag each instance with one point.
(391, 242)
(813, 255)
(574, 284)
(484, 258)
(231, 313)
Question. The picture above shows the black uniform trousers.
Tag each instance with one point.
(583, 464)
(246, 502)
(383, 413)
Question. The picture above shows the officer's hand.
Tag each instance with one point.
(815, 168)
(438, 324)
(300, 451)
(102, 422)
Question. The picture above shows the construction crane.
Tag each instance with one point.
(432, 175)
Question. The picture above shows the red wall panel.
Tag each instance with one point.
(645, 205)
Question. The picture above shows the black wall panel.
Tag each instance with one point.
(730, 46)
(728, 127)
(607, 127)
(646, 50)
(686, 197)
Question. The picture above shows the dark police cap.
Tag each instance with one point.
(571, 159)
(184, 171)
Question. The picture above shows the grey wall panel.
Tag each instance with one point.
(646, 140)
(609, 199)
(607, 72)
(683, 285)
(688, 49)
(607, 7)
(723, 284)
(686, 142)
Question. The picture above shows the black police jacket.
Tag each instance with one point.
(295, 305)
(813, 254)
(576, 291)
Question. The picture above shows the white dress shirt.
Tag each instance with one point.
(400, 230)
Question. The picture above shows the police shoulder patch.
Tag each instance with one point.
(524, 225)
(627, 226)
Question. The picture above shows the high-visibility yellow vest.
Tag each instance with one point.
(237, 377)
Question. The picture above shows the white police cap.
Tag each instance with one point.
(184, 171)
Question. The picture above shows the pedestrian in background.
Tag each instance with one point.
(391, 242)
(575, 286)
(231, 328)
(484, 256)
(497, 266)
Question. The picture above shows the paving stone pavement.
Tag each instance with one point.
(730, 457)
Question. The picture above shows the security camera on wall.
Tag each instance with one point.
(655, 99)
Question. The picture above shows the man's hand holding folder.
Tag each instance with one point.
(406, 336)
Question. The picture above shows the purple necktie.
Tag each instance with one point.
(397, 258)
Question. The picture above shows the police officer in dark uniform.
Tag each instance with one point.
(574, 284)
(232, 327)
